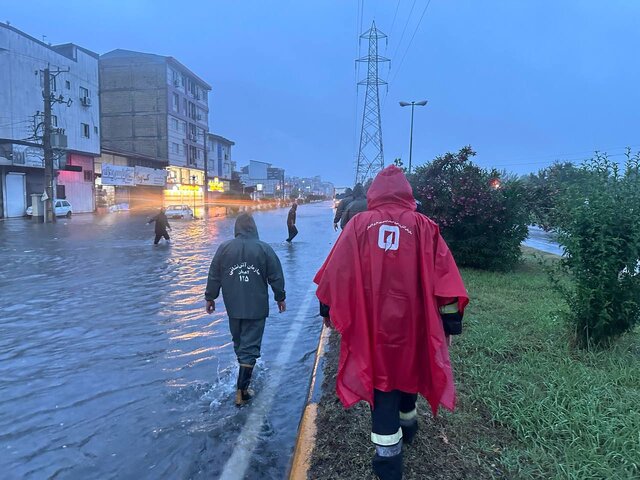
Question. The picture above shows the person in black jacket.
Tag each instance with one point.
(243, 268)
(291, 222)
(162, 223)
(342, 206)
(357, 205)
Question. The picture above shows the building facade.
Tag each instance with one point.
(219, 163)
(75, 116)
(154, 107)
(266, 180)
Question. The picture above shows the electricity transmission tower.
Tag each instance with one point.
(370, 155)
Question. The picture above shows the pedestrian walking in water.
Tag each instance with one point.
(357, 205)
(162, 223)
(342, 206)
(244, 268)
(291, 222)
(392, 289)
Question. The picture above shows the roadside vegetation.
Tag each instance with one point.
(530, 405)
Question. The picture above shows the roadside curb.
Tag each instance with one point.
(306, 438)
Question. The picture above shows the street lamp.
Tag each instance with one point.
(413, 104)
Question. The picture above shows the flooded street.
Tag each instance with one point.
(110, 368)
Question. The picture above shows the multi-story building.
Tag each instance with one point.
(75, 115)
(264, 179)
(219, 163)
(155, 107)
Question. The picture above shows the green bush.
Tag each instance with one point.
(599, 228)
(482, 213)
(544, 189)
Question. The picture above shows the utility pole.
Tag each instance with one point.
(370, 154)
(49, 100)
(49, 214)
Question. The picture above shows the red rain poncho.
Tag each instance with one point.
(384, 280)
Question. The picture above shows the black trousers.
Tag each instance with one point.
(390, 409)
(247, 339)
(159, 236)
(293, 231)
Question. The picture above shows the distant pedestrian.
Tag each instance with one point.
(392, 289)
(342, 206)
(162, 223)
(244, 268)
(291, 222)
(357, 205)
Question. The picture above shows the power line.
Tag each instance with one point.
(405, 28)
(411, 41)
(394, 19)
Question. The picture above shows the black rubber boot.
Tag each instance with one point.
(243, 394)
(409, 430)
(388, 468)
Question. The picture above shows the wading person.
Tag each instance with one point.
(357, 205)
(291, 222)
(395, 296)
(342, 206)
(161, 225)
(244, 268)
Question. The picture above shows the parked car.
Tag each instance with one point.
(179, 211)
(62, 208)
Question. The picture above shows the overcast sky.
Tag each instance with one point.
(524, 82)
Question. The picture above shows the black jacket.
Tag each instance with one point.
(359, 204)
(291, 218)
(243, 268)
(162, 223)
(342, 206)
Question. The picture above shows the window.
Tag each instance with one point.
(95, 130)
(176, 102)
(67, 84)
(84, 93)
(67, 204)
(88, 177)
(54, 121)
(184, 106)
(175, 126)
(85, 130)
(175, 148)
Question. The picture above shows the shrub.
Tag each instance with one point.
(599, 229)
(482, 214)
(544, 189)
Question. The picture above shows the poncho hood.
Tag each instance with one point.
(390, 187)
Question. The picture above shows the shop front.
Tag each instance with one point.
(121, 187)
(185, 186)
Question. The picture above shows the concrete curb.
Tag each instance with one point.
(306, 439)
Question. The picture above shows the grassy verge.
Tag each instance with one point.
(530, 406)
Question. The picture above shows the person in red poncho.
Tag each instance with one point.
(395, 295)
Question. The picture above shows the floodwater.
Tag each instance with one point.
(541, 240)
(110, 368)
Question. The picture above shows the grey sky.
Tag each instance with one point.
(523, 82)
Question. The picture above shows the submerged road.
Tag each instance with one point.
(109, 367)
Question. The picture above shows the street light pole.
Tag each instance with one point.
(413, 104)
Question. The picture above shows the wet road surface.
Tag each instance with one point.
(109, 367)
(541, 240)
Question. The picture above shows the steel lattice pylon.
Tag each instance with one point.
(370, 155)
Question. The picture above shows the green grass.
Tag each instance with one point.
(574, 414)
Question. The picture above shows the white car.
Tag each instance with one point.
(179, 211)
(61, 207)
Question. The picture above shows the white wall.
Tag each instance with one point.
(21, 90)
